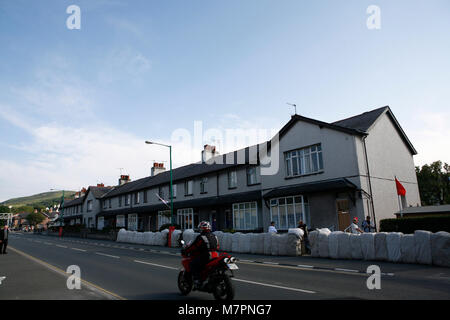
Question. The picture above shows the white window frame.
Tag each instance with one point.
(276, 216)
(163, 218)
(189, 184)
(252, 176)
(240, 209)
(301, 158)
(232, 179)
(182, 214)
(203, 183)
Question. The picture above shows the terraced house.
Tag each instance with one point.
(328, 173)
(84, 208)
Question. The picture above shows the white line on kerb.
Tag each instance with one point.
(274, 286)
(268, 262)
(156, 265)
(107, 255)
(304, 266)
(78, 249)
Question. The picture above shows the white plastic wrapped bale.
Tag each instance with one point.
(356, 247)
(188, 236)
(259, 243)
(344, 246)
(297, 231)
(227, 240)
(407, 248)
(323, 244)
(246, 247)
(393, 246)
(244, 243)
(282, 241)
(253, 242)
(440, 248)
(275, 246)
(293, 247)
(333, 244)
(121, 235)
(314, 243)
(175, 237)
(140, 238)
(381, 252)
(133, 237)
(368, 246)
(422, 244)
(235, 242)
(147, 237)
(164, 237)
(267, 244)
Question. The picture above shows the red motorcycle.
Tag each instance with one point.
(215, 278)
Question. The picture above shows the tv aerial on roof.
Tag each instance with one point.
(293, 105)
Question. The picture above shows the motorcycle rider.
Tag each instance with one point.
(203, 249)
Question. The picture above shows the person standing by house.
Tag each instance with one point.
(4, 233)
(303, 226)
(367, 225)
(272, 228)
(354, 227)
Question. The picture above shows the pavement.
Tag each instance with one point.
(132, 271)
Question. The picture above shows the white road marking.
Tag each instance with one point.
(107, 255)
(268, 262)
(345, 270)
(156, 265)
(58, 245)
(48, 243)
(304, 266)
(82, 250)
(274, 286)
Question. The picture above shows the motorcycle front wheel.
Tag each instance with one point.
(224, 289)
(184, 283)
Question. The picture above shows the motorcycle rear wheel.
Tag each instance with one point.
(184, 283)
(224, 289)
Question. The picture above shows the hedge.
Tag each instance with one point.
(434, 223)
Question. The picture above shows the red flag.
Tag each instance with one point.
(401, 191)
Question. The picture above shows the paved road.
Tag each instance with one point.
(133, 271)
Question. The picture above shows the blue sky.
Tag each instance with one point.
(76, 105)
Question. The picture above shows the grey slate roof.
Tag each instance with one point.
(73, 202)
(98, 192)
(356, 125)
(362, 122)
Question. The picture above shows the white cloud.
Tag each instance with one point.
(431, 137)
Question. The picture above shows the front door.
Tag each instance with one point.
(343, 212)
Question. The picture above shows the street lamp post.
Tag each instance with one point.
(172, 218)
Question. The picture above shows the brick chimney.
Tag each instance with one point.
(101, 185)
(157, 168)
(124, 179)
(208, 152)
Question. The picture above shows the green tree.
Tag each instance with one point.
(35, 218)
(4, 209)
(434, 183)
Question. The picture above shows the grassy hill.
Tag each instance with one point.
(45, 199)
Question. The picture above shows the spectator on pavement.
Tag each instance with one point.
(367, 226)
(303, 226)
(354, 227)
(272, 228)
(4, 234)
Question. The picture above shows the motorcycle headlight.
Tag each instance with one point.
(226, 260)
(232, 259)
